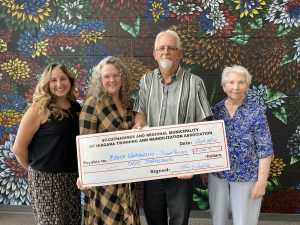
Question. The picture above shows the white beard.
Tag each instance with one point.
(166, 64)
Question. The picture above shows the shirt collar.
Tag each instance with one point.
(174, 76)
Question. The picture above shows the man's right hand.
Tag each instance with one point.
(140, 121)
(138, 126)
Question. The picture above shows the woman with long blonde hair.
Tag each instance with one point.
(46, 146)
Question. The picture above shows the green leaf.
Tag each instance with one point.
(280, 113)
(133, 29)
(206, 193)
(241, 39)
(286, 59)
(202, 205)
(134, 95)
(197, 198)
(275, 181)
(283, 31)
(269, 187)
(256, 24)
(237, 28)
(203, 192)
(273, 96)
(294, 159)
(197, 190)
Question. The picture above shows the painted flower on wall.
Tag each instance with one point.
(13, 177)
(276, 169)
(3, 45)
(16, 68)
(211, 4)
(156, 10)
(297, 52)
(271, 99)
(271, 49)
(92, 31)
(15, 102)
(74, 12)
(17, 71)
(285, 13)
(218, 19)
(184, 10)
(266, 97)
(277, 166)
(293, 146)
(249, 7)
(57, 27)
(23, 13)
(30, 44)
(9, 121)
(209, 53)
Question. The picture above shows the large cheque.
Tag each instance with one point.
(152, 153)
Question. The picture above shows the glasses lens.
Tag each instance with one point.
(112, 76)
(170, 49)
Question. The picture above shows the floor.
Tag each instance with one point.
(25, 217)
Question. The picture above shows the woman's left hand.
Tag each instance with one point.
(186, 177)
(258, 189)
(80, 186)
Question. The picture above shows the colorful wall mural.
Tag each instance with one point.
(262, 35)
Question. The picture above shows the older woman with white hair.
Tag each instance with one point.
(241, 188)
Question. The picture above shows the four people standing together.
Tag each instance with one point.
(168, 95)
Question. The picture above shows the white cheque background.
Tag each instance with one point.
(153, 153)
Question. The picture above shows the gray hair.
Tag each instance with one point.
(173, 33)
(96, 88)
(235, 69)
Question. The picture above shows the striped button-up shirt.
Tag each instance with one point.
(183, 100)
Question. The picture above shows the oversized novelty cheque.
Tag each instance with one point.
(152, 153)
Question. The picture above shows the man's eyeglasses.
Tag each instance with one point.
(111, 76)
(169, 49)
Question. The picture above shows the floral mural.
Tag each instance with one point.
(262, 35)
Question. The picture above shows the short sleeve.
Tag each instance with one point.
(203, 109)
(262, 135)
(140, 102)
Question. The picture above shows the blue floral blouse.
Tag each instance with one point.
(248, 138)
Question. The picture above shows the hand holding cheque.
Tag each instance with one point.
(153, 153)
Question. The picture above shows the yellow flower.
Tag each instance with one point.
(276, 168)
(3, 45)
(9, 118)
(91, 35)
(18, 11)
(16, 68)
(40, 48)
(249, 7)
(157, 10)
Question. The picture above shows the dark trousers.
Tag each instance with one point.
(173, 196)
